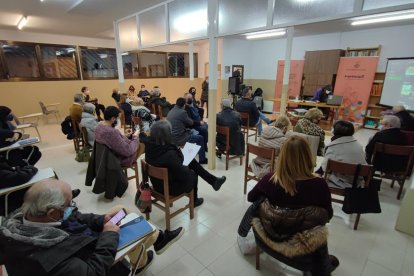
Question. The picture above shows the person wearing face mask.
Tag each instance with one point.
(28, 155)
(49, 236)
(194, 114)
(98, 107)
(309, 126)
(143, 93)
(124, 146)
(322, 93)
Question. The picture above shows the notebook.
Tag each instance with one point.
(133, 231)
(28, 141)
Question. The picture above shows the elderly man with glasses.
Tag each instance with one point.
(49, 236)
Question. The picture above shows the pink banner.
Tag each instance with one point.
(354, 81)
(295, 80)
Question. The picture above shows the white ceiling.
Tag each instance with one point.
(90, 18)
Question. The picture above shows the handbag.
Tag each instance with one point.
(83, 155)
(143, 194)
(360, 200)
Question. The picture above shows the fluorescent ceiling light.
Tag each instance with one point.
(265, 34)
(22, 22)
(385, 17)
(191, 22)
(125, 54)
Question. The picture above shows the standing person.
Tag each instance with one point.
(309, 126)
(161, 152)
(294, 186)
(204, 94)
(181, 132)
(98, 107)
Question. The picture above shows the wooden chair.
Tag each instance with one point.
(53, 111)
(313, 142)
(157, 110)
(245, 127)
(134, 165)
(84, 133)
(267, 153)
(366, 171)
(400, 151)
(226, 132)
(78, 141)
(166, 198)
(122, 119)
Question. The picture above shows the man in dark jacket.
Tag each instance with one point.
(407, 121)
(50, 237)
(246, 105)
(230, 118)
(156, 99)
(194, 114)
(181, 131)
(390, 134)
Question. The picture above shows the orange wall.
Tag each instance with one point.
(23, 97)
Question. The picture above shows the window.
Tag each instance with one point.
(20, 60)
(179, 65)
(59, 62)
(98, 63)
(130, 65)
(153, 64)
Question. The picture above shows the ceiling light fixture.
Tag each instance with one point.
(22, 22)
(266, 34)
(385, 17)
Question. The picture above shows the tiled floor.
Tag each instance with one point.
(209, 245)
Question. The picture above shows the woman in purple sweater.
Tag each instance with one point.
(124, 146)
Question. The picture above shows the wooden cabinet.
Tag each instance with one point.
(373, 113)
(320, 69)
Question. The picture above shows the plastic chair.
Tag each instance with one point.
(226, 132)
(53, 111)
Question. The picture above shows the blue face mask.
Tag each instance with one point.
(67, 212)
(9, 117)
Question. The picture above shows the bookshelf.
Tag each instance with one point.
(363, 52)
(373, 113)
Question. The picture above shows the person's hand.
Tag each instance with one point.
(202, 123)
(110, 227)
(128, 133)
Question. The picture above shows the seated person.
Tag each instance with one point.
(139, 110)
(309, 126)
(161, 152)
(407, 121)
(124, 146)
(344, 148)
(193, 92)
(126, 107)
(193, 113)
(272, 137)
(143, 92)
(11, 177)
(158, 100)
(28, 155)
(131, 92)
(245, 104)
(322, 93)
(231, 119)
(99, 107)
(293, 186)
(181, 132)
(390, 133)
(89, 121)
(49, 236)
(116, 95)
(75, 111)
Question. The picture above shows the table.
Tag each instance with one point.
(42, 174)
(18, 144)
(121, 253)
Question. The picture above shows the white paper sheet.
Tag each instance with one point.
(189, 151)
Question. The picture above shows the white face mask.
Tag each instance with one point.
(328, 92)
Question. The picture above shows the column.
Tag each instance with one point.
(286, 71)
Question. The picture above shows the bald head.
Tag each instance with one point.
(46, 195)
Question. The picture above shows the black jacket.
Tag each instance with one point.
(230, 118)
(407, 121)
(77, 254)
(392, 136)
(180, 178)
(248, 106)
(5, 133)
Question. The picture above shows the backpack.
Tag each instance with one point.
(67, 128)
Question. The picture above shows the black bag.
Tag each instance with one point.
(360, 200)
(143, 195)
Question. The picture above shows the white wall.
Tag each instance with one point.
(260, 57)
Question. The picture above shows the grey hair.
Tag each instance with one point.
(282, 121)
(398, 108)
(156, 92)
(391, 121)
(89, 108)
(78, 98)
(38, 201)
(160, 131)
(226, 103)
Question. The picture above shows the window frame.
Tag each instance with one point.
(96, 48)
(195, 65)
(153, 52)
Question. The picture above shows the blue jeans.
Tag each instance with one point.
(203, 131)
(199, 140)
(259, 123)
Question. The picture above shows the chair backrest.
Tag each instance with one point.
(365, 171)
(75, 126)
(313, 142)
(245, 118)
(223, 130)
(156, 172)
(397, 151)
(410, 137)
(122, 117)
(153, 109)
(159, 110)
(84, 133)
(43, 107)
(267, 153)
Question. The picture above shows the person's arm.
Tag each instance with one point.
(317, 95)
(260, 189)
(369, 149)
(96, 264)
(186, 120)
(95, 222)
(121, 144)
(176, 167)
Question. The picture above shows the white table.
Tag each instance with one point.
(42, 174)
(18, 144)
(121, 253)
